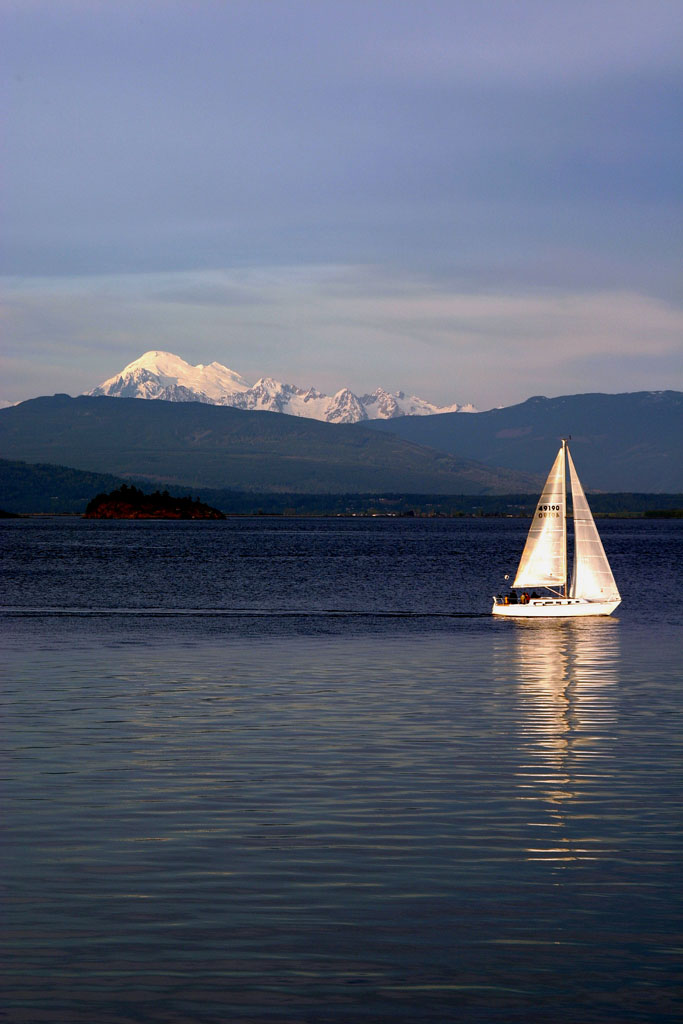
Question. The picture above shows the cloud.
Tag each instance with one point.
(175, 135)
(458, 198)
(541, 41)
(339, 325)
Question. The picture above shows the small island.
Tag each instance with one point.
(128, 502)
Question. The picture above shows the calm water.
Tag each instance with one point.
(289, 771)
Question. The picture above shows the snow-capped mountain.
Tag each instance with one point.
(166, 376)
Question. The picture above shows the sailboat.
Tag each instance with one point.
(591, 590)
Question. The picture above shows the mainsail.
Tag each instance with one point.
(592, 577)
(544, 559)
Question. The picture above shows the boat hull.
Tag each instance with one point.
(558, 607)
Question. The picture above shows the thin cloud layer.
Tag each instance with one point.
(344, 326)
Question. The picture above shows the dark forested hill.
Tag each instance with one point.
(211, 446)
(628, 442)
(44, 489)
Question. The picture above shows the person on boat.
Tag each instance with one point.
(535, 595)
(512, 597)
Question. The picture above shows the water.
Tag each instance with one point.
(294, 771)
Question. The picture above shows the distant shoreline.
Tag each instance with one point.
(674, 513)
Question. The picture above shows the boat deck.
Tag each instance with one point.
(553, 606)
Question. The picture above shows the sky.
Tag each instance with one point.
(468, 200)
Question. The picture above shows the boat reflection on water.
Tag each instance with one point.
(567, 673)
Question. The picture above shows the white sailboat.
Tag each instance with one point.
(591, 589)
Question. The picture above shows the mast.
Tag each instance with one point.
(565, 452)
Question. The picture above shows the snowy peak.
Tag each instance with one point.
(384, 405)
(162, 375)
(346, 407)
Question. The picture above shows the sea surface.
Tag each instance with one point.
(280, 770)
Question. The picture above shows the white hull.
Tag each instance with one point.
(555, 607)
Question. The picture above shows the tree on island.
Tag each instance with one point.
(129, 502)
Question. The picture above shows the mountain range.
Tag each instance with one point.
(165, 376)
(621, 443)
(627, 442)
(199, 445)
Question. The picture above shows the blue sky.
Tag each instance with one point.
(473, 201)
